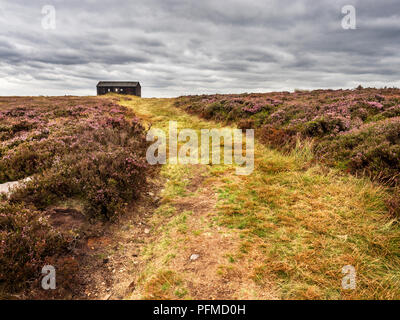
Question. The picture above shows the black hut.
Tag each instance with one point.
(121, 87)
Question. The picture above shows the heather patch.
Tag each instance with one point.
(90, 150)
(26, 241)
(352, 129)
(373, 148)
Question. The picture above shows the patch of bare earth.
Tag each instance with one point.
(114, 256)
(212, 276)
(202, 260)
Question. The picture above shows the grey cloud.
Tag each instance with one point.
(179, 47)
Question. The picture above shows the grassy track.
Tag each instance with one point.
(283, 232)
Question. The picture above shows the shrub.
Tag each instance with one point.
(246, 124)
(351, 128)
(26, 240)
(373, 149)
(88, 149)
(282, 139)
(94, 152)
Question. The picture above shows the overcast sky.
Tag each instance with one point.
(188, 47)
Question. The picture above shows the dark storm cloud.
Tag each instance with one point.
(180, 47)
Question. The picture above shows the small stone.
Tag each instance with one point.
(194, 257)
(146, 231)
(150, 194)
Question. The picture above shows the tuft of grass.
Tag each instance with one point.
(165, 285)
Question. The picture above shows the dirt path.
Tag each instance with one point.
(188, 253)
(285, 231)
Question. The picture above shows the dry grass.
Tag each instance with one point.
(303, 224)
